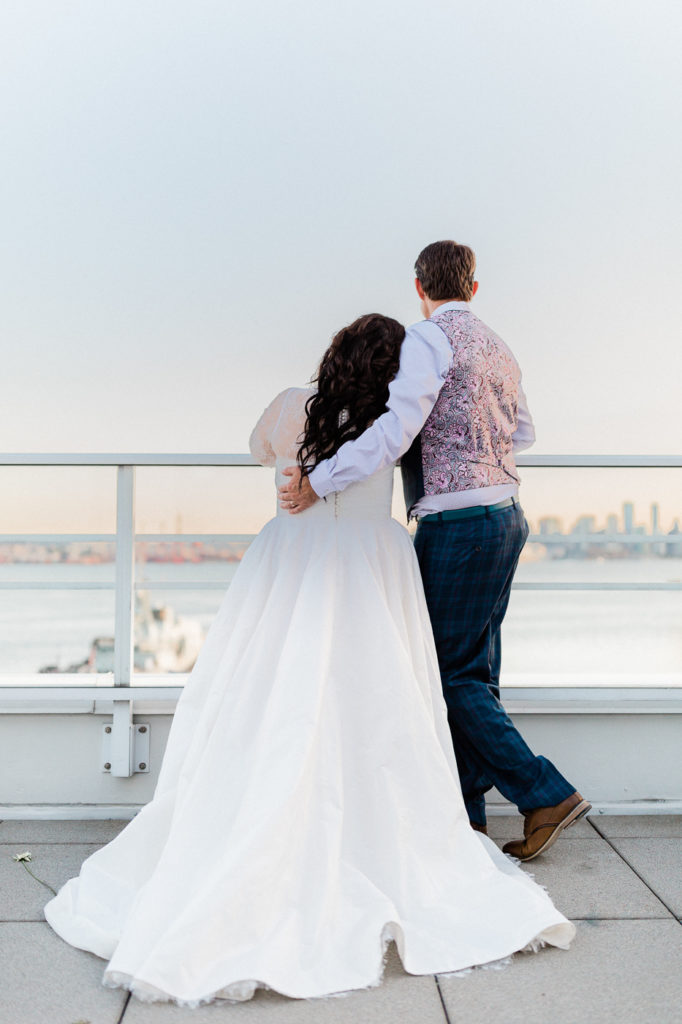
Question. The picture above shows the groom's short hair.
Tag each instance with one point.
(446, 270)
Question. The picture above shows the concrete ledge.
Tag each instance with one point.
(624, 761)
(520, 700)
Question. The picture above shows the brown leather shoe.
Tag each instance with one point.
(479, 828)
(544, 825)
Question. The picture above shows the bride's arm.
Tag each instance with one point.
(260, 442)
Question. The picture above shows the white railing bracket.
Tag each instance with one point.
(125, 744)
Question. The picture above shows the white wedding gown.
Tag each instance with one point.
(308, 808)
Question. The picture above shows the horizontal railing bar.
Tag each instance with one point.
(111, 585)
(36, 685)
(57, 585)
(559, 585)
(600, 461)
(105, 691)
(126, 459)
(48, 538)
(204, 459)
(598, 538)
(242, 538)
(224, 584)
(175, 538)
(182, 585)
(111, 538)
(544, 585)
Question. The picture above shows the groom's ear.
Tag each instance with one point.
(474, 289)
(420, 290)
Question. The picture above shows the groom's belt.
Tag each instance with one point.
(467, 513)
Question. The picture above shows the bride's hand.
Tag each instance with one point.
(295, 498)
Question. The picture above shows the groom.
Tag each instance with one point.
(456, 414)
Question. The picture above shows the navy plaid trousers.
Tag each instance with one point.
(467, 566)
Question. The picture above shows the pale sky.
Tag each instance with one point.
(197, 194)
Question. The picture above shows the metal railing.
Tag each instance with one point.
(125, 538)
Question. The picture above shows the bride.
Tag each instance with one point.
(308, 809)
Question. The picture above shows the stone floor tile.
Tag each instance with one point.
(400, 998)
(587, 879)
(93, 831)
(616, 972)
(646, 826)
(22, 897)
(659, 862)
(46, 981)
(510, 826)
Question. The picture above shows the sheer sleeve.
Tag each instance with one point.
(260, 442)
(278, 431)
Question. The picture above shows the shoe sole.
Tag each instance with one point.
(579, 811)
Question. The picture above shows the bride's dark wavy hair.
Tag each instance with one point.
(352, 386)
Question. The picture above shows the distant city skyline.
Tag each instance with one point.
(624, 524)
(617, 536)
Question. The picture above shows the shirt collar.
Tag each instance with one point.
(445, 307)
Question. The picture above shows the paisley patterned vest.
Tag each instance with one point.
(467, 440)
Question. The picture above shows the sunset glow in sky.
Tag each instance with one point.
(196, 195)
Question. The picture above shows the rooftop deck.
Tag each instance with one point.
(618, 877)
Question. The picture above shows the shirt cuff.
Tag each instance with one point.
(320, 480)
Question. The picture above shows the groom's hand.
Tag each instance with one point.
(295, 498)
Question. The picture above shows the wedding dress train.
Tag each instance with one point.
(308, 808)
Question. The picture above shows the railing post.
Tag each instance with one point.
(121, 731)
(125, 576)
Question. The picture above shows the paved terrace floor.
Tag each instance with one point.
(618, 878)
